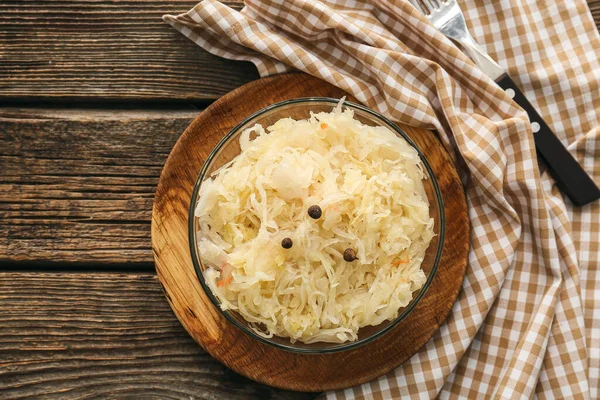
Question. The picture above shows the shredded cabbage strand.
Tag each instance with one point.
(368, 183)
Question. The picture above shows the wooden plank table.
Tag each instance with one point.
(93, 95)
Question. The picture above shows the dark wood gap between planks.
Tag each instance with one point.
(76, 267)
(159, 104)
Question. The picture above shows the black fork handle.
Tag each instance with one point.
(566, 171)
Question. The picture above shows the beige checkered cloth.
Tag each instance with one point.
(527, 321)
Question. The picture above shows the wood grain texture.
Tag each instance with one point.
(78, 185)
(258, 361)
(105, 336)
(105, 50)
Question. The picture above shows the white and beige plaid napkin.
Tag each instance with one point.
(527, 321)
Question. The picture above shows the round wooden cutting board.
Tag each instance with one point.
(258, 361)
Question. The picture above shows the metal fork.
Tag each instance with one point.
(448, 18)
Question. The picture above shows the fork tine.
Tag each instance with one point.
(426, 6)
(417, 4)
(431, 4)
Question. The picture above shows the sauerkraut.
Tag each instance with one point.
(368, 183)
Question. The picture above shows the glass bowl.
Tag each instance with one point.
(301, 108)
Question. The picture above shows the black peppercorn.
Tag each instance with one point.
(315, 212)
(349, 255)
(287, 243)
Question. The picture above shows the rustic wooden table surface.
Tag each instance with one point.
(93, 95)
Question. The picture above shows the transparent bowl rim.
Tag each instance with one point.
(290, 347)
